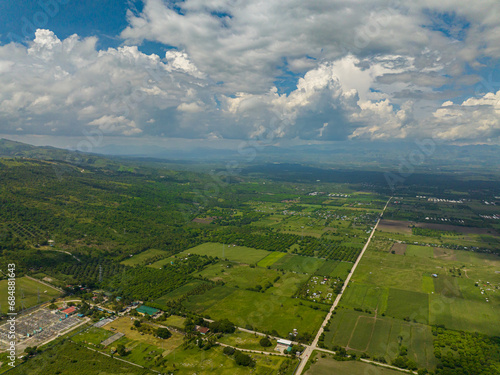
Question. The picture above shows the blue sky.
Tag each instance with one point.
(219, 70)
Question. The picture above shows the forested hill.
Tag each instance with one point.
(92, 211)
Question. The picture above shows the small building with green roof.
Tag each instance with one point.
(143, 310)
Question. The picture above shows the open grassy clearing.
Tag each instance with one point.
(246, 340)
(298, 263)
(240, 254)
(239, 276)
(69, 358)
(174, 321)
(327, 366)
(263, 311)
(209, 362)
(28, 292)
(143, 257)
(420, 251)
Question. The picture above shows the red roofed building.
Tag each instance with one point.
(69, 310)
(202, 330)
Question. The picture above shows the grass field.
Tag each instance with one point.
(288, 284)
(240, 254)
(92, 335)
(246, 340)
(214, 362)
(419, 251)
(333, 268)
(241, 276)
(143, 257)
(328, 366)
(271, 259)
(174, 321)
(27, 292)
(263, 311)
(297, 263)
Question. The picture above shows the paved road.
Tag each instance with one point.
(309, 349)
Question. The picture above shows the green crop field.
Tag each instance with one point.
(263, 311)
(69, 358)
(245, 340)
(297, 263)
(271, 259)
(361, 332)
(328, 366)
(214, 362)
(240, 254)
(143, 257)
(28, 293)
(179, 292)
(288, 284)
(408, 304)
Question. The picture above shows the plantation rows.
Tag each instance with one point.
(89, 272)
(268, 241)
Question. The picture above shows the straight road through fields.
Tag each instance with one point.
(309, 349)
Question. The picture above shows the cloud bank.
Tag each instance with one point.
(323, 71)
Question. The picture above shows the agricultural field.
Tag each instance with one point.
(271, 259)
(263, 311)
(325, 365)
(361, 332)
(29, 293)
(147, 256)
(334, 269)
(298, 263)
(412, 277)
(239, 254)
